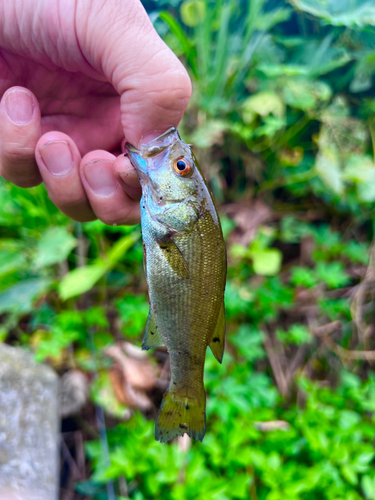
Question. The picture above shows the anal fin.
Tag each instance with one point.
(152, 337)
(217, 343)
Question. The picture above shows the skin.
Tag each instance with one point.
(77, 79)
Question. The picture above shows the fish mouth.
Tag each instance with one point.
(154, 147)
(151, 149)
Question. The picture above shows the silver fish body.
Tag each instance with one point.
(185, 264)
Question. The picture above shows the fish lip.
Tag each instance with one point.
(164, 140)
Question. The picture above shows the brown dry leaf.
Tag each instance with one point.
(131, 375)
(117, 381)
(135, 365)
(248, 216)
(126, 394)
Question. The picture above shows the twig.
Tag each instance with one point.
(296, 361)
(80, 453)
(68, 457)
(276, 367)
(327, 329)
(123, 486)
(346, 354)
(358, 304)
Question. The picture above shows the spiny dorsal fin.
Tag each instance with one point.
(152, 337)
(175, 258)
(217, 343)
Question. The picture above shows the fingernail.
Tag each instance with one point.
(100, 177)
(57, 157)
(19, 106)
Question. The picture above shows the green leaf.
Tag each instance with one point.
(193, 12)
(133, 311)
(249, 341)
(348, 419)
(262, 104)
(332, 273)
(11, 261)
(357, 252)
(54, 246)
(350, 474)
(20, 298)
(306, 94)
(81, 280)
(348, 13)
(297, 334)
(267, 262)
(210, 133)
(327, 166)
(368, 487)
(52, 343)
(361, 171)
(303, 276)
(119, 249)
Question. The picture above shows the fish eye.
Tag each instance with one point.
(182, 166)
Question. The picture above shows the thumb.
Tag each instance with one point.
(154, 86)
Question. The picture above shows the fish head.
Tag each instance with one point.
(167, 168)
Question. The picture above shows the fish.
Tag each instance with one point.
(185, 263)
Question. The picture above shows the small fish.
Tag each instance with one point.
(185, 264)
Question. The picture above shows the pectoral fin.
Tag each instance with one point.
(175, 258)
(152, 337)
(218, 338)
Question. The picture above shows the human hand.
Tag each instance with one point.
(76, 77)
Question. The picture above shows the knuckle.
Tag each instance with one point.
(174, 94)
(17, 152)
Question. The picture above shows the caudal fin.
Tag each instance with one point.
(179, 415)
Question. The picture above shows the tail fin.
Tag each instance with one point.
(179, 415)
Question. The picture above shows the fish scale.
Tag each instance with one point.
(185, 260)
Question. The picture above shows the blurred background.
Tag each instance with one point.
(282, 122)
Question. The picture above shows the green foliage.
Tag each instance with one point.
(133, 312)
(266, 261)
(330, 273)
(325, 452)
(340, 12)
(82, 279)
(297, 334)
(282, 118)
(54, 246)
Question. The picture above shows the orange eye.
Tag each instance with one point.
(182, 166)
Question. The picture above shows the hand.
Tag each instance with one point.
(76, 77)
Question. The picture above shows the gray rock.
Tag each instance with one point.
(29, 430)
